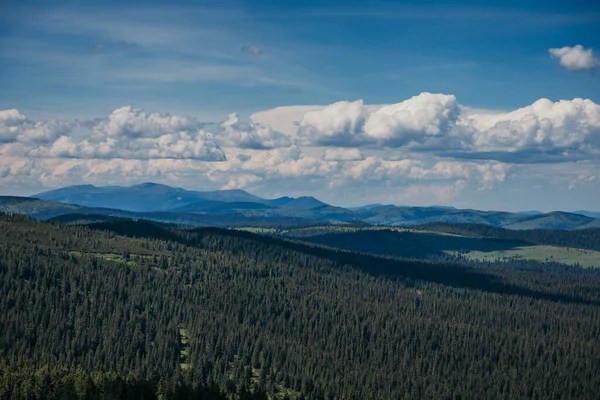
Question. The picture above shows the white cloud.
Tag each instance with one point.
(543, 126)
(428, 123)
(544, 131)
(16, 127)
(413, 120)
(253, 135)
(352, 123)
(575, 58)
(11, 125)
(126, 133)
(339, 124)
(134, 123)
(181, 145)
(342, 154)
(284, 119)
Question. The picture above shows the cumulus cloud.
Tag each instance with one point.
(250, 135)
(352, 123)
(544, 131)
(342, 154)
(182, 145)
(563, 129)
(126, 133)
(437, 124)
(413, 120)
(134, 123)
(339, 124)
(16, 127)
(576, 58)
(11, 125)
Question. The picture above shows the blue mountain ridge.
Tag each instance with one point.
(177, 205)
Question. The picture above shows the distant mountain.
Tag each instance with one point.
(553, 220)
(375, 208)
(233, 195)
(304, 202)
(69, 213)
(165, 204)
(221, 207)
(530, 212)
(591, 214)
(144, 197)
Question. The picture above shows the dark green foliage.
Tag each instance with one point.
(20, 380)
(583, 238)
(177, 311)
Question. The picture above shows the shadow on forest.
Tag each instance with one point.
(405, 270)
(410, 244)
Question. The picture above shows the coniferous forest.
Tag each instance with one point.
(133, 310)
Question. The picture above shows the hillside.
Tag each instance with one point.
(553, 220)
(141, 300)
(582, 238)
(470, 241)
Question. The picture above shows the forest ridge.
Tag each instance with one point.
(133, 307)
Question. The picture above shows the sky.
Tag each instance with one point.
(487, 105)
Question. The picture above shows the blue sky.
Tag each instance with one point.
(492, 56)
(79, 61)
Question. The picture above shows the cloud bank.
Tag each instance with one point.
(437, 123)
(428, 149)
(127, 133)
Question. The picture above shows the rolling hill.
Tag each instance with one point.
(471, 241)
(168, 204)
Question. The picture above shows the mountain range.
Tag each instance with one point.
(156, 197)
(173, 205)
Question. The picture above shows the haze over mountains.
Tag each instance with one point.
(236, 207)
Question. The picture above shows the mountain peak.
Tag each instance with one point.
(304, 202)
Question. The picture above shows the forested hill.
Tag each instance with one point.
(583, 238)
(131, 309)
